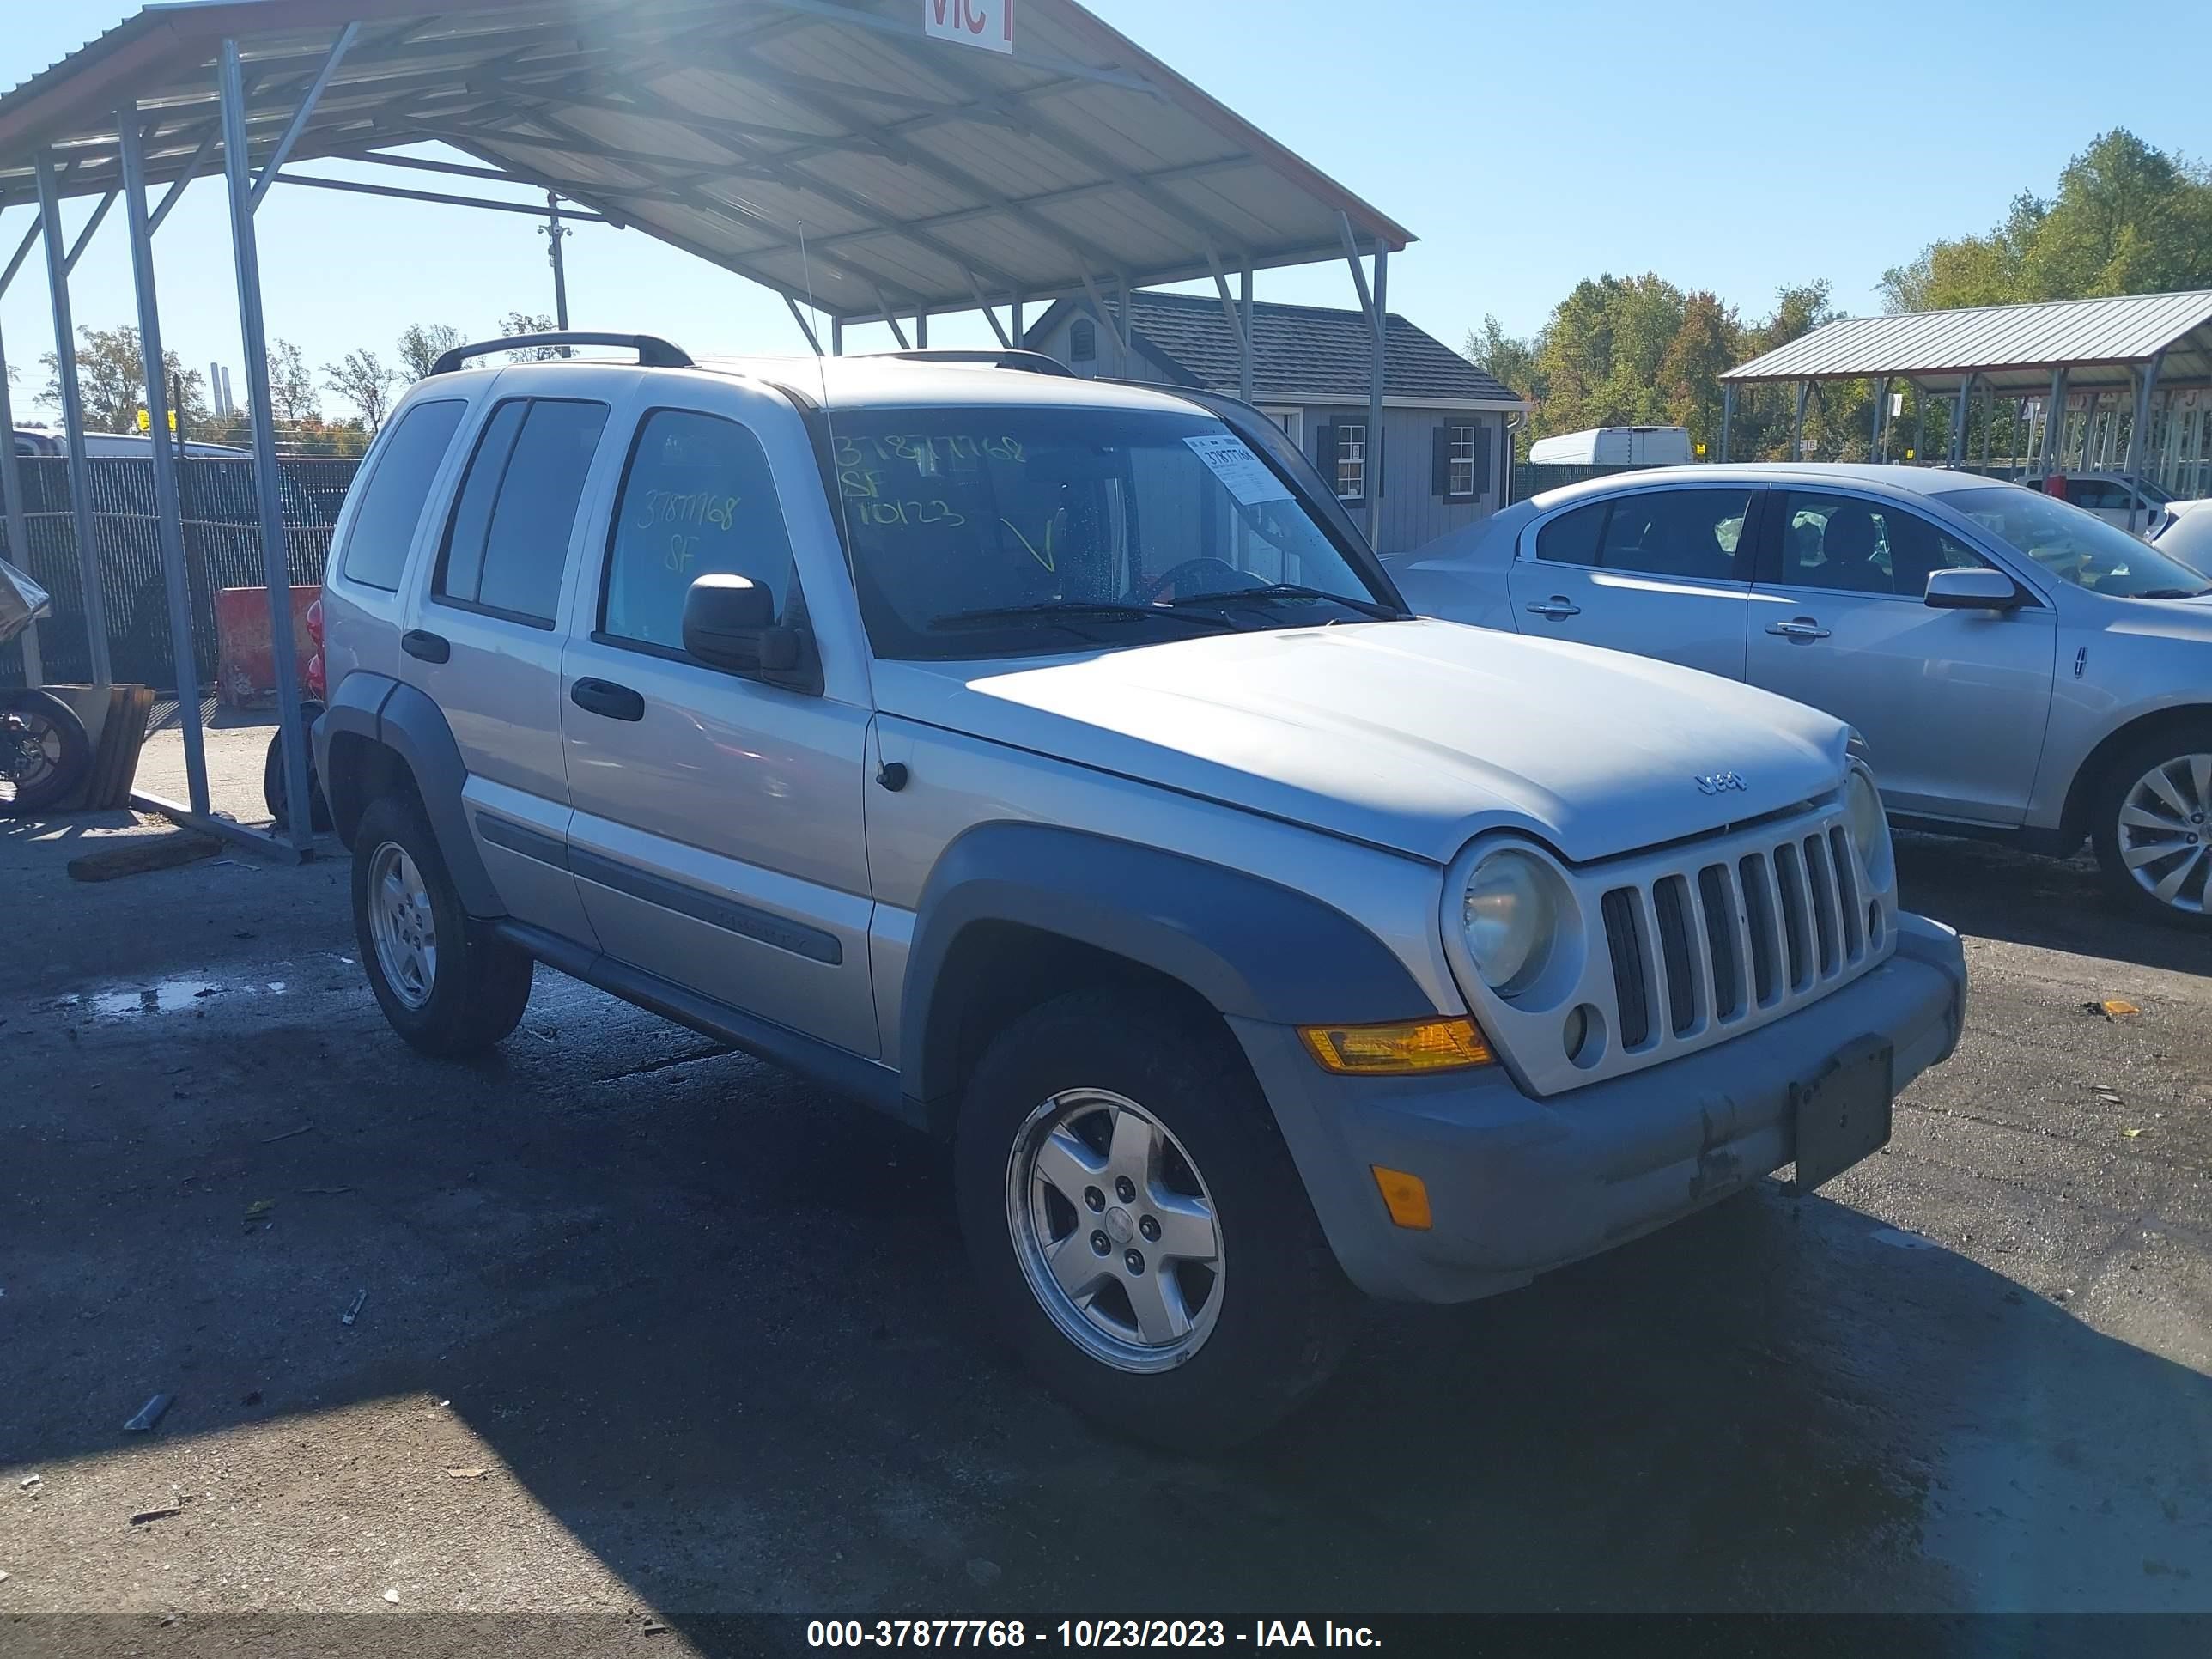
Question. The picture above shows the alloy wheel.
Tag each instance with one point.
(2163, 832)
(402, 925)
(1115, 1230)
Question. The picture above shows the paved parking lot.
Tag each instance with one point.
(654, 1331)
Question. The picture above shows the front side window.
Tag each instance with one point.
(1351, 462)
(391, 499)
(697, 501)
(2078, 547)
(1857, 546)
(985, 530)
(506, 544)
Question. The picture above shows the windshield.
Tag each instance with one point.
(996, 530)
(2078, 547)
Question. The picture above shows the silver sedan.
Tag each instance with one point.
(2018, 668)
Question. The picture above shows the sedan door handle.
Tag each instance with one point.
(428, 646)
(1804, 628)
(1558, 608)
(616, 703)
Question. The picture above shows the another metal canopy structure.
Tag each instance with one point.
(844, 153)
(2131, 345)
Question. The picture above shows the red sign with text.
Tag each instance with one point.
(986, 23)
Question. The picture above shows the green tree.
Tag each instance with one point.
(111, 376)
(2127, 219)
(292, 400)
(421, 345)
(526, 322)
(366, 381)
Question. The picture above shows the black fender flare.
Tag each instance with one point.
(404, 720)
(1253, 948)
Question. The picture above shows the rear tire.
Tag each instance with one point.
(2151, 824)
(1130, 1117)
(447, 983)
(44, 751)
(272, 777)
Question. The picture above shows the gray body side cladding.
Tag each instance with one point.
(1253, 949)
(405, 721)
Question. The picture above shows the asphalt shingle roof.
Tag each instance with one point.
(1303, 354)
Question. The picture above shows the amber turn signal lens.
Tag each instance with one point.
(1431, 1045)
(1405, 1196)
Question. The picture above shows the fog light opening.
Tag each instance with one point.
(1582, 1035)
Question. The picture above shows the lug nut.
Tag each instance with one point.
(1150, 1227)
(1099, 1246)
(1134, 1260)
(1094, 1200)
(1125, 1190)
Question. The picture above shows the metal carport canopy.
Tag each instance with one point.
(927, 176)
(2102, 345)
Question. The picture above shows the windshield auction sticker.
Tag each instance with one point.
(1243, 474)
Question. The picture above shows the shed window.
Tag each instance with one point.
(1351, 462)
(1083, 342)
(1459, 463)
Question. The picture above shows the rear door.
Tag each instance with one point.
(1952, 703)
(1664, 572)
(484, 640)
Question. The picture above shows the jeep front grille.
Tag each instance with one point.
(1681, 940)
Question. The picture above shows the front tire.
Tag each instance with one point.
(1213, 1308)
(446, 982)
(2152, 827)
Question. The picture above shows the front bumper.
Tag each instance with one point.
(1519, 1186)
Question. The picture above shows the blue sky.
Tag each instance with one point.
(1735, 146)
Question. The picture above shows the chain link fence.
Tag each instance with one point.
(222, 549)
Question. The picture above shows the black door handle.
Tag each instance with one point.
(431, 647)
(616, 703)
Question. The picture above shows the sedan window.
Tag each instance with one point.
(2076, 546)
(1694, 533)
(1855, 546)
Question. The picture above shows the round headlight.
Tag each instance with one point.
(1863, 812)
(1510, 919)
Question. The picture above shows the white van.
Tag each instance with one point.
(1614, 446)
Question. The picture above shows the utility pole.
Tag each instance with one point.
(553, 230)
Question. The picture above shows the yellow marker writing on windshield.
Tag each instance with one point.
(1044, 558)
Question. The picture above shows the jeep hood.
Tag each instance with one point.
(1411, 736)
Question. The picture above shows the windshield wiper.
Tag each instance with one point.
(1071, 609)
(2175, 594)
(1374, 608)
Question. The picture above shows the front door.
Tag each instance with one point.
(485, 643)
(1663, 572)
(718, 838)
(1952, 703)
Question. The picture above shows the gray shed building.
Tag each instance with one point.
(1444, 459)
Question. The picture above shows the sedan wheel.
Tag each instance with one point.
(1115, 1230)
(2163, 829)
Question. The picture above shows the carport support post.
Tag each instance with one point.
(1728, 418)
(2054, 423)
(836, 337)
(2139, 430)
(169, 517)
(1244, 369)
(19, 525)
(80, 484)
(276, 566)
(1798, 423)
(1919, 423)
(1959, 419)
(1881, 416)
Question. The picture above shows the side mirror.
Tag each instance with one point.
(729, 622)
(1978, 589)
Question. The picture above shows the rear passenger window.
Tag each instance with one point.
(1572, 537)
(508, 540)
(1692, 533)
(698, 501)
(392, 497)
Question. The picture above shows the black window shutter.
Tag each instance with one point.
(1325, 450)
(1440, 463)
(1481, 460)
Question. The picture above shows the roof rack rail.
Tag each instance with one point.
(1029, 362)
(653, 352)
